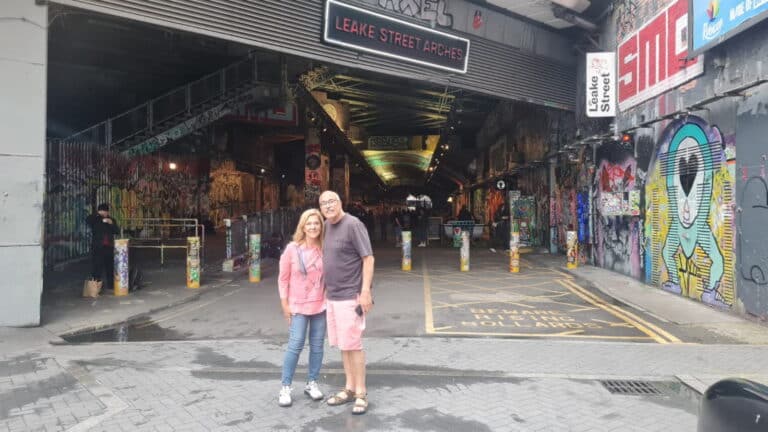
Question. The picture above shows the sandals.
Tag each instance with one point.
(361, 404)
(341, 398)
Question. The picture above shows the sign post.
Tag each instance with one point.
(193, 262)
(464, 251)
(122, 271)
(406, 251)
(601, 84)
(254, 266)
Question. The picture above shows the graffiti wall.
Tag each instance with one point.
(752, 200)
(82, 175)
(618, 187)
(689, 219)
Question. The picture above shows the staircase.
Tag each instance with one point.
(158, 122)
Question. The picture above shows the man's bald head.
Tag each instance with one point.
(330, 206)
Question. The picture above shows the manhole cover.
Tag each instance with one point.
(631, 387)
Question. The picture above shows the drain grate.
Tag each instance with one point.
(631, 387)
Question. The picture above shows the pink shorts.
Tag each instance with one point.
(345, 327)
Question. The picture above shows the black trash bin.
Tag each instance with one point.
(734, 405)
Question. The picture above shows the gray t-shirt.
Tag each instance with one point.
(344, 246)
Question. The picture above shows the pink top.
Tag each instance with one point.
(305, 294)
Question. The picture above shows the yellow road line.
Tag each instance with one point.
(604, 306)
(429, 322)
(641, 324)
(542, 335)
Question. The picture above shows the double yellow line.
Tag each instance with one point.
(653, 331)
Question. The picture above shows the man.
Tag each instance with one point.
(501, 228)
(104, 229)
(348, 273)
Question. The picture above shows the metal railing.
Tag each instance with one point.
(162, 233)
(149, 116)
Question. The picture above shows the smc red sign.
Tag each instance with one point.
(652, 60)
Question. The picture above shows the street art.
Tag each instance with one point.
(689, 217)
(617, 227)
(754, 212)
(428, 10)
(192, 124)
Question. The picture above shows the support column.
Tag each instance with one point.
(340, 177)
(313, 178)
(23, 57)
(552, 183)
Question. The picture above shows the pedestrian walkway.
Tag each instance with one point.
(422, 376)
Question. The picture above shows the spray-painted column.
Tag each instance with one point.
(464, 251)
(254, 266)
(514, 249)
(229, 264)
(193, 262)
(122, 271)
(573, 249)
(406, 250)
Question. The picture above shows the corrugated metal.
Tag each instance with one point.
(295, 27)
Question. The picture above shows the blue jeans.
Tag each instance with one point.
(297, 336)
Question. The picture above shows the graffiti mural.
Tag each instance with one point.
(617, 204)
(689, 217)
(428, 10)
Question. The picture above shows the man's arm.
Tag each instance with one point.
(366, 300)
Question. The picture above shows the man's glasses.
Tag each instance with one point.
(328, 203)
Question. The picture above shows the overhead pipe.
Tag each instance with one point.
(568, 16)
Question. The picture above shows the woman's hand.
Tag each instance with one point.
(287, 312)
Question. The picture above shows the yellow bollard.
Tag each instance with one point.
(464, 251)
(406, 251)
(254, 266)
(193, 262)
(573, 249)
(122, 271)
(514, 252)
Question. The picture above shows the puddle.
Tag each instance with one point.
(138, 332)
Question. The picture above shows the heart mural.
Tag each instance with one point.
(687, 170)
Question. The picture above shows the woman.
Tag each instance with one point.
(303, 300)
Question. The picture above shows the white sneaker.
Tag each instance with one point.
(422, 244)
(285, 399)
(313, 391)
(492, 250)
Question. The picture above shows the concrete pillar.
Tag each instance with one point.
(193, 262)
(254, 265)
(552, 183)
(340, 176)
(23, 86)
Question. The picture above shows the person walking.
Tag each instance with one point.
(104, 228)
(302, 297)
(348, 263)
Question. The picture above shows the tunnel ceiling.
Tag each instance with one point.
(383, 106)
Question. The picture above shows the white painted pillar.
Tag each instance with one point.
(23, 86)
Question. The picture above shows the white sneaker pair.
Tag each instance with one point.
(312, 390)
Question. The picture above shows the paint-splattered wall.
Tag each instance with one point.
(618, 221)
(752, 204)
(689, 219)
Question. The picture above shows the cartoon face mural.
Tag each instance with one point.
(688, 216)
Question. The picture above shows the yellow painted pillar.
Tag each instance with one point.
(122, 270)
(514, 252)
(573, 249)
(406, 250)
(464, 251)
(193, 262)
(254, 266)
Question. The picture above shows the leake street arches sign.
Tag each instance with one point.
(360, 29)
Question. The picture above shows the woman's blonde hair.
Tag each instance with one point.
(299, 235)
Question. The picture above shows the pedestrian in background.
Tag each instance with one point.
(348, 263)
(104, 228)
(302, 297)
